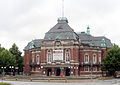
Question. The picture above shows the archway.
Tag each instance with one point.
(58, 71)
(48, 72)
(67, 72)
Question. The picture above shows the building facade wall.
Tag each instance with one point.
(76, 66)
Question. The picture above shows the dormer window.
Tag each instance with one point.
(60, 27)
(57, 37)
(50, 38)
(68, 37)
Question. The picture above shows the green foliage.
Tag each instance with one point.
(6, 58)
(112, 61)
(11, 58)
(19, 59)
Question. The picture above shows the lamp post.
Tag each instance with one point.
(3, 72)
(11, 67)
(16, 70)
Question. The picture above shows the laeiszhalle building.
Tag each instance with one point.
(63, 51)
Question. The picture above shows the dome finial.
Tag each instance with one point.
(88, 30)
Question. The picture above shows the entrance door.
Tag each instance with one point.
(67, 73)
(58, 71)
(48, 72)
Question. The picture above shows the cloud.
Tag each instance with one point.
(24, 20)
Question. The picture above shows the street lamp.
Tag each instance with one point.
(16, 70)
(3, 69)
(3, 72)
(11, 67)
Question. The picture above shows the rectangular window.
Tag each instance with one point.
(94, 58)
(86, 68)
(94, 68)
(37, 59)
(32, 58)
(86, 59)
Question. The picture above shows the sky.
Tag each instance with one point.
(22, 21)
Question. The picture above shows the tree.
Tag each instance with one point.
(111, 63)
(19, 59)
(1, 48)
(6, 59)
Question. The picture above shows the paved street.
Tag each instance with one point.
(102, 82)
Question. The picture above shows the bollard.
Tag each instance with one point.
(30, 79)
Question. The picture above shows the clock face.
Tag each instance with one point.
(57, 54)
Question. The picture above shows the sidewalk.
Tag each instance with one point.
(50, 79)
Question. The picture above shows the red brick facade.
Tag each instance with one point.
(77, 54)
(75, 67)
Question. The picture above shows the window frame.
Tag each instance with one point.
(37, 59)
(49, 56)
(87, 68)
(94, 68)
(94, 58)
(86, 59)
(100, 58)
(67, 55)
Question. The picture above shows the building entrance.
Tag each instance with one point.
(58, 71)
(48, 72)
(67, 72)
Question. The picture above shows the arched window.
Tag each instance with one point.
(86, 58)
(37, 59)
(67, 55)
(32, 58)
(94, 58)
(49, 56)
(99, 58)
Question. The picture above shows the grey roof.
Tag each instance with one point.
(37, 43)
(94, 41)
(61, 31)
(61, 27)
